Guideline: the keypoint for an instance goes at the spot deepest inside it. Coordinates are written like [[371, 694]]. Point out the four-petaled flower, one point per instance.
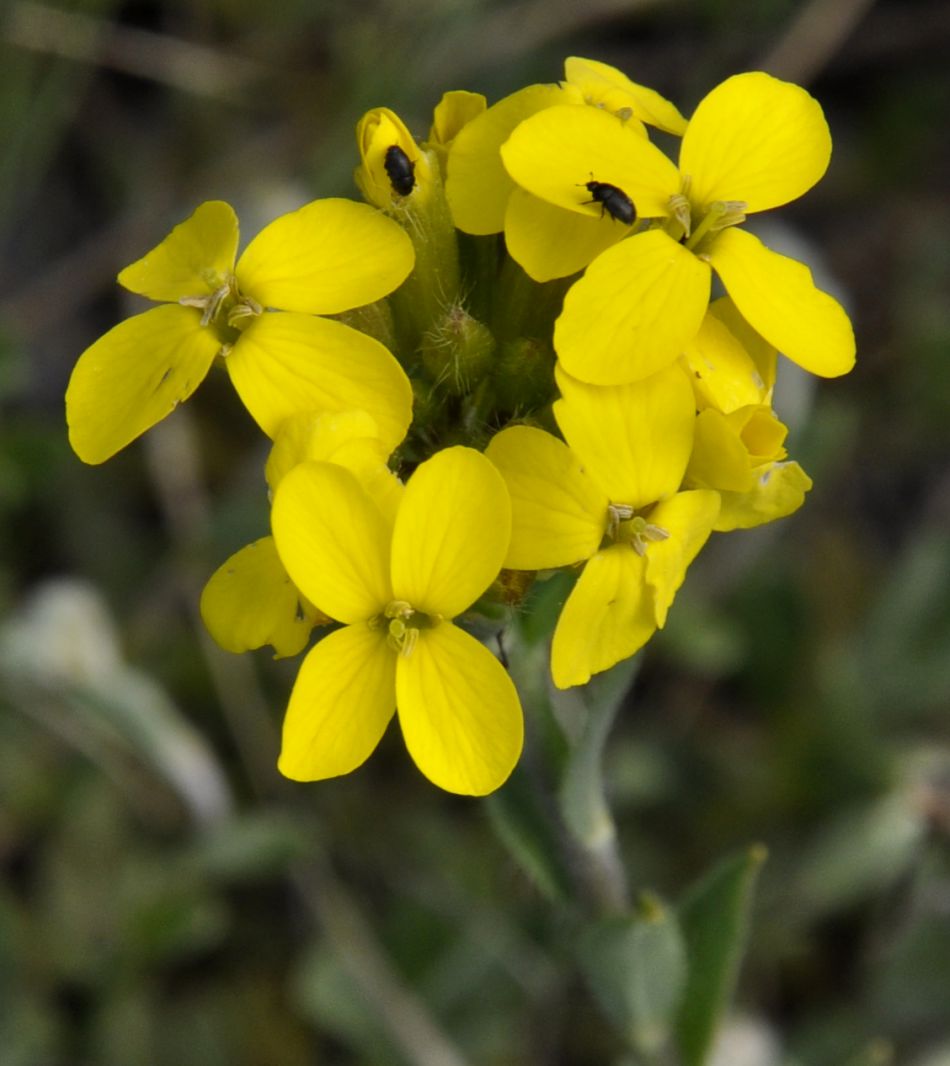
[[250, 601], [753, 143], [608, 498], [544, 238], [326, 257], [396, 586]]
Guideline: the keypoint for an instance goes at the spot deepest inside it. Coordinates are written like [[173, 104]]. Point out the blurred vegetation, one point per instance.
[[165, 897]]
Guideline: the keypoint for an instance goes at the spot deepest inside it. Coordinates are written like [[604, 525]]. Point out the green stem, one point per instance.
[[433, 286], [479, 261], [578, 723], [583, 796], [523, 307]]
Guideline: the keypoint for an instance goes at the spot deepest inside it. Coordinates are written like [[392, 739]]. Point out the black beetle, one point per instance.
[[615, 202], [401, 170]]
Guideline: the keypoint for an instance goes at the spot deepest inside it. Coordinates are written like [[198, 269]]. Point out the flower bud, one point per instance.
[[452, 113], [458, 352], [392, 170]]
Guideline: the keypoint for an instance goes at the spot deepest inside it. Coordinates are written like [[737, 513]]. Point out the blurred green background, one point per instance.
[[165, 897]]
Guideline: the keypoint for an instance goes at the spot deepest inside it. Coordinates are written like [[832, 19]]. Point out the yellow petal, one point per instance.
[[755, 139], [452, 532], [779, 299], [328, 256], [634, 440], [607, 87], [730, 450], [725, 376], [250, 601], [720, 460], [779, 491], [477, 186], [342, 701], [349, 439], [633, 312], [763, 354], [459, 712], [608, 616], [333, 541], [134, 376], [549, 242], [688, 517], [556, 152], [285, 363], [453, 113], [558, 515], [761, 432], [363, 458], [193, 260], [316, 435]]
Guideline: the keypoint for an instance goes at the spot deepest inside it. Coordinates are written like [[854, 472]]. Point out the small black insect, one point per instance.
[[615, 202], [401, 170]]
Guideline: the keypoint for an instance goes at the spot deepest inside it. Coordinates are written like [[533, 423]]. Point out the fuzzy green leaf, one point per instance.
[[635, 966], [714, 916]]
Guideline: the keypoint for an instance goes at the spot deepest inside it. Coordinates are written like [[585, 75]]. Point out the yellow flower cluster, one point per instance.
[[505, 363]]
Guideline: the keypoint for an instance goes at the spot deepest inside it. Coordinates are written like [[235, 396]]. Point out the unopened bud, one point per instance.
[[458, 352]]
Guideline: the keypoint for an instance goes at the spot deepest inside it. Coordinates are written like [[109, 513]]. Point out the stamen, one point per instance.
[[215, 300], [719, 215], [680, 210], [245, 308], [642, 533], [404, 625], [617, 513], [226, 301]]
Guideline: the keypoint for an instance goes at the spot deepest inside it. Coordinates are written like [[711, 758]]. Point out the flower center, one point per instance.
[[403, 622], [720, 214], [625, 526], [226, 310], [690, 225]]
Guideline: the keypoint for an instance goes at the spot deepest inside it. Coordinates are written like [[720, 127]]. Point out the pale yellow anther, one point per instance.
[[680, 210], [245, 308], [226, 305], [633, 529], [617, 513], [404, 625], [719, 216]]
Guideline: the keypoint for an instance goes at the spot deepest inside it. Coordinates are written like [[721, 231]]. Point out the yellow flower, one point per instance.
[[396, 588], [609, 498], [544, 238], [739, 443], [741, 455], [753, 143], [452, 114], [250, 600], [405, 180], [608, 88], [327, 257], [392, 165], [730, 365]]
